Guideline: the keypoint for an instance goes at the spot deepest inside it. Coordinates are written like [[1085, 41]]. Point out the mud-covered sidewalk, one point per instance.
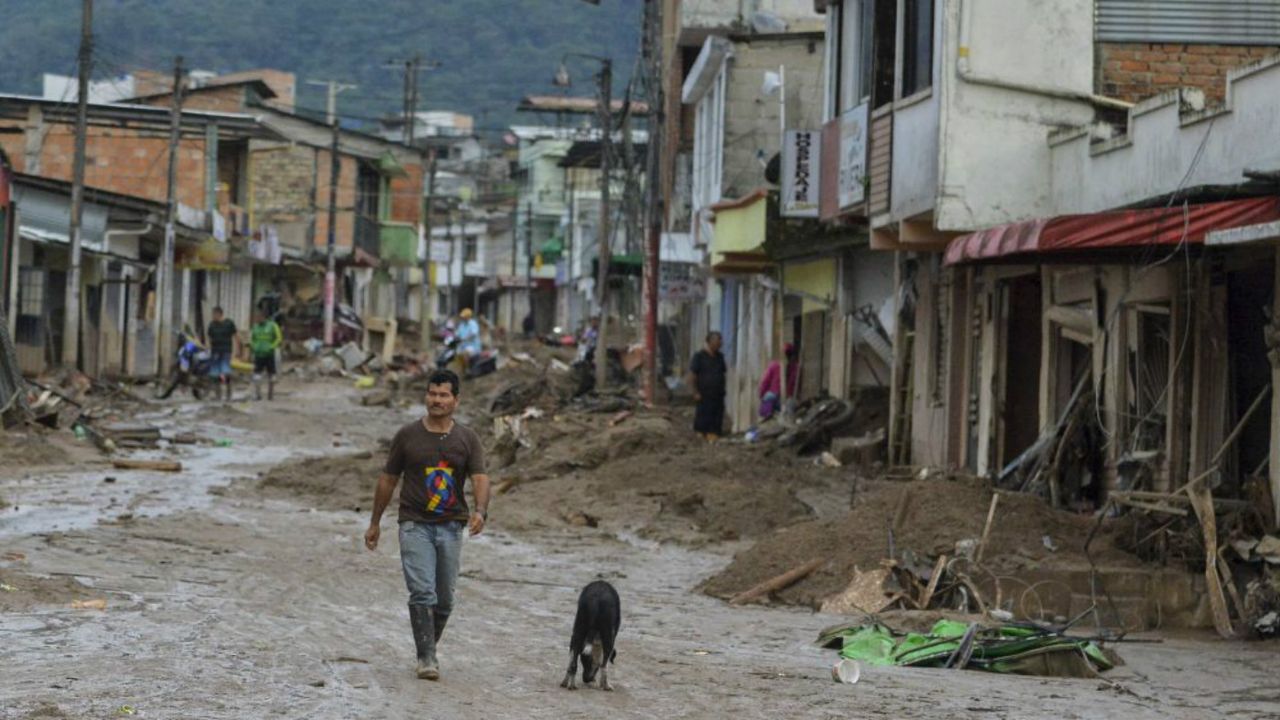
[[227, 600]]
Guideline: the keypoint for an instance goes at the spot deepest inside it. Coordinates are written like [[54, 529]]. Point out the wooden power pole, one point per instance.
[[164, 298], [71, 321], [330, 273], [653, 46], [602, 254], [428, 277]]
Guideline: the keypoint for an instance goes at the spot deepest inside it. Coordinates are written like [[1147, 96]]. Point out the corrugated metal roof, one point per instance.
[[1216, 22]]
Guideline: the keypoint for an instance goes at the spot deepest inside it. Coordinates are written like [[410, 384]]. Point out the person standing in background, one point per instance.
[[264, 339], [708, 377], [224, 343]]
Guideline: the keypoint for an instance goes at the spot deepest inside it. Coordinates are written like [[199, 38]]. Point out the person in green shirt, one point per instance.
[[264, 338]]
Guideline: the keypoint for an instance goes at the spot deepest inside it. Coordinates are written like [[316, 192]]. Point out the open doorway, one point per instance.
[[1249, 296], [1020, 412]]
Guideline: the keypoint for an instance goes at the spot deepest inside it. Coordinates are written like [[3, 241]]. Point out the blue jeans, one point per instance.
[[430, 554], [219, 364]]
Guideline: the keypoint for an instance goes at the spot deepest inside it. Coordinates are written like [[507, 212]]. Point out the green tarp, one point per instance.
[[1018, 649]]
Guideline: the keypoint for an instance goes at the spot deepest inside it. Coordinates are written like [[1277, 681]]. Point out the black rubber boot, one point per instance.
[[424, 641], [441, 619]]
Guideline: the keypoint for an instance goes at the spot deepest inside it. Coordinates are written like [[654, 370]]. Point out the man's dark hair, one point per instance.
[[442, 377], [714, 334], [217, 309]]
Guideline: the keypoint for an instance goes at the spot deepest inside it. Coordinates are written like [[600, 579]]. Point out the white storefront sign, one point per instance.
[[853, 156], [801, 169]]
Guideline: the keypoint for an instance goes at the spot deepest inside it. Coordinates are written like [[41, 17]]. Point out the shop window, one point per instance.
[[884, 45], [917, 46]]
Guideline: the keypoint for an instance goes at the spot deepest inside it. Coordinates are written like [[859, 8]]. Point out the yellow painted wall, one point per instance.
[[739, 230], [816, 278]]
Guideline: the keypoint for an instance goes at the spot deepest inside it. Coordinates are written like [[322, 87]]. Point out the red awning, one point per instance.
[[1117, 229]]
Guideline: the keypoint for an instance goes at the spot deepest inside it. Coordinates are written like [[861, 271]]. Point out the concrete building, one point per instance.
[[128, 145], [1053, 152], [774, 279]]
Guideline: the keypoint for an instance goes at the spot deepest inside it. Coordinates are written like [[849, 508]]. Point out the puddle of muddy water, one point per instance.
[[68, 499]]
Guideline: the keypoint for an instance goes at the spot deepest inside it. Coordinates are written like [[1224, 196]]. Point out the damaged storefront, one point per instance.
[[1114, 351]]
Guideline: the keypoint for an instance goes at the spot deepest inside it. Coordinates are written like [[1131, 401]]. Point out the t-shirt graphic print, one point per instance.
[[434, 468], [442, 494]]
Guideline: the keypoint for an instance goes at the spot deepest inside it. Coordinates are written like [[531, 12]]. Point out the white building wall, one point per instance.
[[1164, 147], [993, 154]]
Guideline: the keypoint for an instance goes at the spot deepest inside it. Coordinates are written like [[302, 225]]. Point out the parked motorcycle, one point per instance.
[[483, 363], [191, 368]]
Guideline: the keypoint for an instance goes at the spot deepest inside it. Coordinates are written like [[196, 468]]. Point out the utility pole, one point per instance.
[[448, 237], [653, 45], [411, 98], [330, 274], [164, 280], [428, 277], [409, 91], [528, 257], [333, 88], [515, 251], [602, 263], [71, 322]]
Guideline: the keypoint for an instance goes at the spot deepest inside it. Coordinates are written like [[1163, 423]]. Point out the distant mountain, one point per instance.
[[491, 52]]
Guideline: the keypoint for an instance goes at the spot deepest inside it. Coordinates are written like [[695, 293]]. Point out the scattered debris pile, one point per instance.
[[924, 543]]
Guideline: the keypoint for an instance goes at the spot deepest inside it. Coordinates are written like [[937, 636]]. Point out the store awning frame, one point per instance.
[[1118, 229]]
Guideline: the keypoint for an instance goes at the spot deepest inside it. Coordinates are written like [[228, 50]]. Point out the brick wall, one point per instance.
[[406, 195], [123, 161], [283, 180], [1135, 71], [229, 99], [345, 213]]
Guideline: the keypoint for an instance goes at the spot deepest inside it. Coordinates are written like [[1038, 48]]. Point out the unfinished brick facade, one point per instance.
[[345, 227], [227, 99], [283, 179], [1136, 71], [130, 162]]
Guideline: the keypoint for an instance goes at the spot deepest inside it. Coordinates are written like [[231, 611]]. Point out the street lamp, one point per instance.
[[605, 110]]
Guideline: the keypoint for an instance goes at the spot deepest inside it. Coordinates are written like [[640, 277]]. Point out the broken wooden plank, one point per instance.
[[161, 465], [132, 432], [1225, 568], [932, 587], [1202, 502], [778, 582], [900, 513], [1150, 506], [986, 529]]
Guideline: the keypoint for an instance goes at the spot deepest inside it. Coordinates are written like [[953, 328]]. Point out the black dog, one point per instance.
[[597, 622]]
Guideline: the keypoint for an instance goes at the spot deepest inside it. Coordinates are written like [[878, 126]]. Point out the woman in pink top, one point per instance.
[[771, 383]]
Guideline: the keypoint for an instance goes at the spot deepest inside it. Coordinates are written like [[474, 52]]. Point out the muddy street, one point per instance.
[[222, 600]]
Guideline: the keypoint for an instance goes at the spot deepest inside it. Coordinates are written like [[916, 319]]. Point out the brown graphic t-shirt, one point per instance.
[[435, 468]]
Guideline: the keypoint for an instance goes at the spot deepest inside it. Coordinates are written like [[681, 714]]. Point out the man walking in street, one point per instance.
[[435, 455], [224, 342], [264, 339], [707, 377]]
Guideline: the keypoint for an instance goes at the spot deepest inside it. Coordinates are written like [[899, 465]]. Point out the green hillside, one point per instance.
[[492, 52]]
